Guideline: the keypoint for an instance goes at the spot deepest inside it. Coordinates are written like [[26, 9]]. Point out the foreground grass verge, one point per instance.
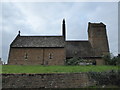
[[54, 69]]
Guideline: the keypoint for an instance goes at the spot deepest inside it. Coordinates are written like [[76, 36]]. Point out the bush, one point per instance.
[[107, 59], [116, 60], [111, 61], [106, 78], [79, 61], [72, 61]]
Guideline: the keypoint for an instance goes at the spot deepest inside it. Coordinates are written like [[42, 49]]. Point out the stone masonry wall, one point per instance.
[[62, 80], [36, 56]]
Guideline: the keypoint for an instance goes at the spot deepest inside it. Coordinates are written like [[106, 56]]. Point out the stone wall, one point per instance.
[[36, 56], [97, 36], [100, 61], [62, 80]]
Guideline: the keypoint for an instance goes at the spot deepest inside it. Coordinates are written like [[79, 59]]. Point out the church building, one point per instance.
[[54, 50]]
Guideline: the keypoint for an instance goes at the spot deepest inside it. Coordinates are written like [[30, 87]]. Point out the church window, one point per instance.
[[26, 56], [50, 56]]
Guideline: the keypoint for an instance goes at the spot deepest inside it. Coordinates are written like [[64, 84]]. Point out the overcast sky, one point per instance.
[[43, 18]]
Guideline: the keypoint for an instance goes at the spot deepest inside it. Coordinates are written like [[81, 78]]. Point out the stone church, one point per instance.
[[54, 50]]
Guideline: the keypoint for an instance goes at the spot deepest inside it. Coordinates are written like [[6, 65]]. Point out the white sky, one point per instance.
[[43, 18]]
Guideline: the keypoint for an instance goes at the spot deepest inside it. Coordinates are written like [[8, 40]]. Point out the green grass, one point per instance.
[[54, 69]]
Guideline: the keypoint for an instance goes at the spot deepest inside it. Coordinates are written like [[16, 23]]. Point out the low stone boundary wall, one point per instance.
[[61, 80], [52, 80]]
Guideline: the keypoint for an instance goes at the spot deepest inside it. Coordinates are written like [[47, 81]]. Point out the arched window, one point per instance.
[[26, 56], [50, 56]]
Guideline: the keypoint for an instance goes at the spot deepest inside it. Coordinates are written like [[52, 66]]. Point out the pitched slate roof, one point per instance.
[[38, 41], [79, 49]]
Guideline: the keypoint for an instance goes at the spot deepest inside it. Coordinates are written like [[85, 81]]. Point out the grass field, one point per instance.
[[54, 69]]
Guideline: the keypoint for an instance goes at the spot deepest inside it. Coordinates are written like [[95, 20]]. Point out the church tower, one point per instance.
[[98, 38]]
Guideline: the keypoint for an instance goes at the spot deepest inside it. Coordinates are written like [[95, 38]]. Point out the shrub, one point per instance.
[[111, 61], [106, 78], [116, 60], [72, 61], [79, 61]]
